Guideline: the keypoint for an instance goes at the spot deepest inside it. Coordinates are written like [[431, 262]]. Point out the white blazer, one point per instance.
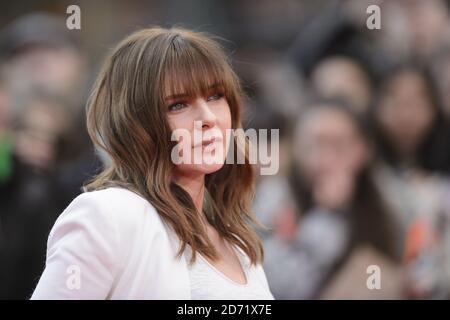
[[112, 244]]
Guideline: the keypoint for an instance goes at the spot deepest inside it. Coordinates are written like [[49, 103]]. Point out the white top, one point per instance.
[[112, 244], [207, 282]]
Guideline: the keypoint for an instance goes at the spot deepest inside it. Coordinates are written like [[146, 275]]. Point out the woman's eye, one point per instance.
[[177, 106], [216, 96]]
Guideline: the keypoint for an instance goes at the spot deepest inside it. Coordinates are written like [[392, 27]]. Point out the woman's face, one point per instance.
[[199, 124], [406, 113]]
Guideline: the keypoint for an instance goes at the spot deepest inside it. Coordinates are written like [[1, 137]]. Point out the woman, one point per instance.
[[148, 228]]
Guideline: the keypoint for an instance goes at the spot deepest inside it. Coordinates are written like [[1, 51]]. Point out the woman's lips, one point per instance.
[[208, 142]]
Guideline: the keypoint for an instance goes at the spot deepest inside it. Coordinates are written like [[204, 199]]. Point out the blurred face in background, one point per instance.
[[331, 152], [340, 77], [406, 112], [39, 128], [429, 22], [414, 27], [60, 71]]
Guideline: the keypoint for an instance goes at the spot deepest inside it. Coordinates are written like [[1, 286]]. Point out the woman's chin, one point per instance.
[[207, 168]]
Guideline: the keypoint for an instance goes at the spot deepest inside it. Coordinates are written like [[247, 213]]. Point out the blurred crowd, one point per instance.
[[364, 120]]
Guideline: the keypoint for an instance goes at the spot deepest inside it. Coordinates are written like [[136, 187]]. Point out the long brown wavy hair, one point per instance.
[[126, 117]]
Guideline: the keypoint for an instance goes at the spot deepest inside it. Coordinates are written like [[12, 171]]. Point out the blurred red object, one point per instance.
[[419, 238], [286, 224]]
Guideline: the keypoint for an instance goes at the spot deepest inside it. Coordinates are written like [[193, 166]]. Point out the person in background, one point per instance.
[[42, 56], [27, 200], [42, 85], [413, 139], [41, 53], [412, 131], [41, 119], [339, 208], [343, 78]]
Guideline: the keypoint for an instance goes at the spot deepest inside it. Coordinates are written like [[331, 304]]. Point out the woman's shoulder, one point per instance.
[[113, 195], [98, 234], [113, 205], [115, 198]]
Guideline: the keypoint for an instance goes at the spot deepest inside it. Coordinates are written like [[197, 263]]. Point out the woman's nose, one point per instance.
[[206, 115]]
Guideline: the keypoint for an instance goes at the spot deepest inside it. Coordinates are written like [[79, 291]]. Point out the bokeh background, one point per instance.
[[364, 133]]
